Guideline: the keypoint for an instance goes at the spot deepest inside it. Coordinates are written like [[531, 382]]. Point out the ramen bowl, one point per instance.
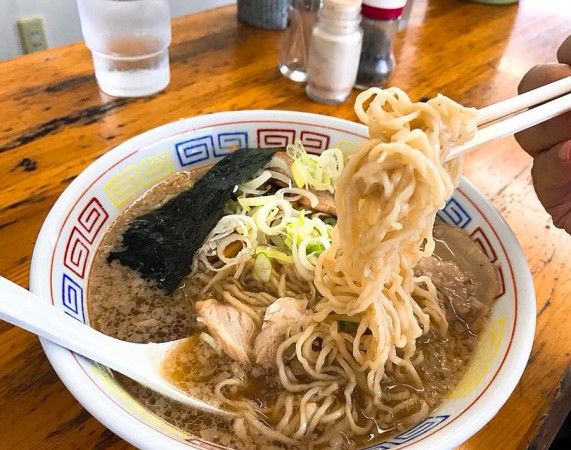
[[72, 231]]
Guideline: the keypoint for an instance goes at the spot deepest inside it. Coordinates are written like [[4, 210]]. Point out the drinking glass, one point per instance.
[[129, 42]]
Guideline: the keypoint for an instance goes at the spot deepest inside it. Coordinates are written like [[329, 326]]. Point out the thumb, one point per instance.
[[551, 174]]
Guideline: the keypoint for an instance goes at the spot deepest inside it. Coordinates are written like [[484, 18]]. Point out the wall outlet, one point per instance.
[[32, 34]]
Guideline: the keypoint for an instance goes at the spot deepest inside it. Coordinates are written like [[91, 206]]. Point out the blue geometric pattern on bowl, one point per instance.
[[230, 141], [201, 148], [215, 145], [195, 150], [454, 214], [72, 298], [418, 430]]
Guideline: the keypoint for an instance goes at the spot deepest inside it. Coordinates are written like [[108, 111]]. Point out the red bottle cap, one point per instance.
[[383, 9]]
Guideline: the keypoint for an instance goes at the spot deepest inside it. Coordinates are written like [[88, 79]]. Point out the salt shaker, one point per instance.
[[380, 23], [334, 51], [295, 45]]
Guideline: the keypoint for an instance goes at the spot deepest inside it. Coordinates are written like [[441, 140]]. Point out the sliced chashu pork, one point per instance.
[[233, 330], [462, 273], [285, 316]]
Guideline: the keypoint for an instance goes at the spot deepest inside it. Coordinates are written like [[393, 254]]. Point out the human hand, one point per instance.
[[549, 143]]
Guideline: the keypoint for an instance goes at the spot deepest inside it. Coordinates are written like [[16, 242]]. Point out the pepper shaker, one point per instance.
[[334, 51], [379, 23]]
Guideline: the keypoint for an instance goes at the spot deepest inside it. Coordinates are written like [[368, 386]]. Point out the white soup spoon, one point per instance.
[[140, 362]]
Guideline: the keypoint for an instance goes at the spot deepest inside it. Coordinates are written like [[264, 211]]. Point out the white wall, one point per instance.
[[61, 20]]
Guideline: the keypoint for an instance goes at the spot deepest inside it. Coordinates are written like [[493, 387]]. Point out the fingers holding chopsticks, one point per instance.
[[550, 144], [547, 134], [551, 175], [557, 130]]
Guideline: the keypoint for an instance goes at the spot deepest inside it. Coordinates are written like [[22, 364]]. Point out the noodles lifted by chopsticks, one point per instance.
[[386, 198]]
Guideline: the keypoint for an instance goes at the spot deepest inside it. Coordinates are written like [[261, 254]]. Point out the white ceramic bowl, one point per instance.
[[70, 235]]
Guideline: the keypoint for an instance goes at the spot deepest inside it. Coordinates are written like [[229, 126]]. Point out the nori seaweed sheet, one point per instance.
[[161, 244]]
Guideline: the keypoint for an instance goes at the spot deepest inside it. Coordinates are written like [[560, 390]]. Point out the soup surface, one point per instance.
[[123, 305]]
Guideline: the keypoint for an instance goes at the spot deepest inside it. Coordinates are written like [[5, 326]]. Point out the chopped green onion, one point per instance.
[[274, 253], [278, 242], [255, 201], [258, 181], [263, 267], [298, 174], [210, 341], [348, 326], [316, 171], [316, 247]]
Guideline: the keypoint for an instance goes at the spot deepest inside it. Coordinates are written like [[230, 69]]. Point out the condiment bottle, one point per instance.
[[334, 51], [295, 44], [380, 23]]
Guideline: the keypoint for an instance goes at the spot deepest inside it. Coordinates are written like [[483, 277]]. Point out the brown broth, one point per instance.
[[123, 305]]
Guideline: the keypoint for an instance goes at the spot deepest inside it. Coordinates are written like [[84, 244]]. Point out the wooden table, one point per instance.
[[55, 121]]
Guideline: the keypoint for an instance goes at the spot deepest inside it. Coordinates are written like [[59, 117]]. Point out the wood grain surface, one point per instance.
[[55, 122]]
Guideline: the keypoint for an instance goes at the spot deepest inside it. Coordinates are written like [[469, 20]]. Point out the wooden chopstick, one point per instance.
[[521, 120], [523, 101]]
